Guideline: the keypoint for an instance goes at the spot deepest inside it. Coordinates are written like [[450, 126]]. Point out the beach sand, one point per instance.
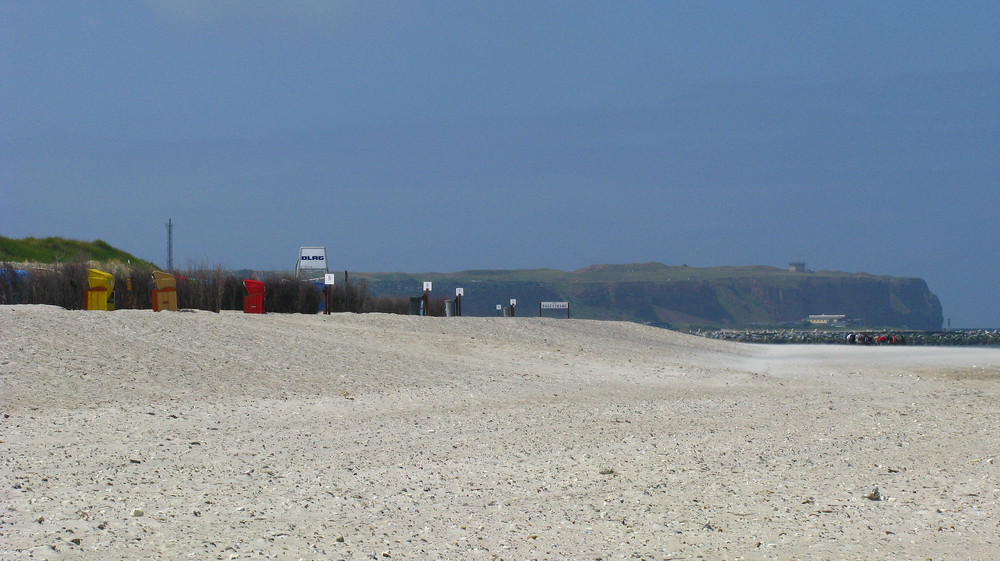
[[195, 435]]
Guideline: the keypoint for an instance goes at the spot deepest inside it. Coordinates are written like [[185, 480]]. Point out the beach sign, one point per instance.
[[553, 306], [311, 259]]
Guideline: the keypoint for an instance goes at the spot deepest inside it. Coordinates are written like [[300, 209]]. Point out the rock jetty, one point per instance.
[[972, 337]]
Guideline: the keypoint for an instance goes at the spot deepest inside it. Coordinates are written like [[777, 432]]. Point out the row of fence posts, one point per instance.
[[421, 305], [507, 311]]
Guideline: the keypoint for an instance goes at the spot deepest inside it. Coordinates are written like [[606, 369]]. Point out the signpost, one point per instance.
[[328, 280], [428, 286], [553, 306]]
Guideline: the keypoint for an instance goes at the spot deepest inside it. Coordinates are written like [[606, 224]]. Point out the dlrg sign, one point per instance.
[[311, 259]]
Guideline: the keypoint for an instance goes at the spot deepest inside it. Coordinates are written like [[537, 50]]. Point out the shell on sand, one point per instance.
[[344, 436]]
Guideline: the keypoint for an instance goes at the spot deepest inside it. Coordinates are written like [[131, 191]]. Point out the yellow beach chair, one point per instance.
[[165, 293], [101, 294]]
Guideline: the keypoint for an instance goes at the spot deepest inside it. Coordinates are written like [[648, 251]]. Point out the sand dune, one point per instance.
[[193, 435]]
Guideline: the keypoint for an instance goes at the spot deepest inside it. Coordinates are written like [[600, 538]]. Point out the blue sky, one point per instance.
[[444, 136]]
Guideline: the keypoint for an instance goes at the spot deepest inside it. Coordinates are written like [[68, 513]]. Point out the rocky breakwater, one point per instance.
[[971, 337]]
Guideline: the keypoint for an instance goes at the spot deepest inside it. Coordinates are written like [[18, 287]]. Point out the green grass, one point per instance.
[[60, 250]]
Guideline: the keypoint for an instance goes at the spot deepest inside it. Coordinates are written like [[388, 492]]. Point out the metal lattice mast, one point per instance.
[[170, 244]]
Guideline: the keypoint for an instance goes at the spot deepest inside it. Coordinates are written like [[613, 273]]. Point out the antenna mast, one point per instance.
[[170, 244]]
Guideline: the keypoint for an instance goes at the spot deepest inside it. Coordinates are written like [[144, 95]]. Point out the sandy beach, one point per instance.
[[195, 435]]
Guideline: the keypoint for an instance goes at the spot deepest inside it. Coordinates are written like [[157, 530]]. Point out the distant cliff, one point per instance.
[[682, 296]]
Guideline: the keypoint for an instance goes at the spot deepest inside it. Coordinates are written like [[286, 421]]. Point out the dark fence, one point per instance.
[[64, 285]]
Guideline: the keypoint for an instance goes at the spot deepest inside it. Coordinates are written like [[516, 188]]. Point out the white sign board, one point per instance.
[[513, 301], [428, 285], [329, 278], [459, 292], [312, 259], [555, 305]]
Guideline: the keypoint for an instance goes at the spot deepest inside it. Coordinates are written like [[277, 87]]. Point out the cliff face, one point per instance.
[[685, 297], [897, 302], [681, 302], [743, 302]]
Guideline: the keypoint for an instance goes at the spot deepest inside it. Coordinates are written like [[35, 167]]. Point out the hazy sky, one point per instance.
[[444, 136]]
